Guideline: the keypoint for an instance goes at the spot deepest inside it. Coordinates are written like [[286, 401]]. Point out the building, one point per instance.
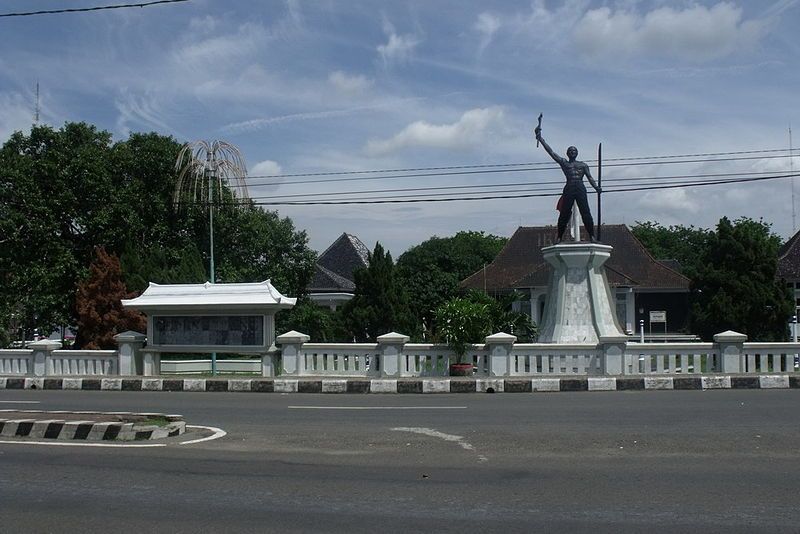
[[334, 283], [640, 283], [789, 266]]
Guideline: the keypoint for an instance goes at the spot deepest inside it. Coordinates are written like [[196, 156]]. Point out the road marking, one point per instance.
[[377, 407], [71, 444], [20, 402], [217, 433], [440, 435]]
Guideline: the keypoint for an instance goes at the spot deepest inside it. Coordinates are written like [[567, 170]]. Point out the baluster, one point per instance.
[[684, 363], [672, 362]]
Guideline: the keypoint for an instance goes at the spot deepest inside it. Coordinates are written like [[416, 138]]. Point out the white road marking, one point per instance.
[[217, 433], [79, 444], [440, 435], [377, 407], [20, 402]]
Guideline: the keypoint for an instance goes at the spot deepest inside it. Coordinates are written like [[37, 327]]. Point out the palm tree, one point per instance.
[[205, 172]]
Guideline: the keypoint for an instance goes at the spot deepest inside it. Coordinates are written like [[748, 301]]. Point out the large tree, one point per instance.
[[432, 270], [65, 191], [686, 244], [380, 304], [735, 287]]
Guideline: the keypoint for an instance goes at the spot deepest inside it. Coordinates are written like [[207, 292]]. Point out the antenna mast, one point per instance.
[[791, 172], [36, 109]]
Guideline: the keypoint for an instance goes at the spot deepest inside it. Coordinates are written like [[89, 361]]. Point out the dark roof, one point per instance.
[[789, 259], [325, 280], [521, 264], [335, 267]]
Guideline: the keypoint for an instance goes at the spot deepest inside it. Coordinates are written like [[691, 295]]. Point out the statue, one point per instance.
[[574, 190]]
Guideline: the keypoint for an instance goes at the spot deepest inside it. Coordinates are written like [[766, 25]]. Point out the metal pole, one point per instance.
[[211, 168], [641, 330], [599, 186]]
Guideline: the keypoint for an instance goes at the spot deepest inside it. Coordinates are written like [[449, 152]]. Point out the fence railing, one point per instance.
[[671, 358], [394, 357]]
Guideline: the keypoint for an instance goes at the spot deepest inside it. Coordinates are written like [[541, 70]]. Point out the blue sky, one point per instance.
[[328, 86]]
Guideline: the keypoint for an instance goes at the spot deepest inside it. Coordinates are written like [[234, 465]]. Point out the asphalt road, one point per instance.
[[679, 461]]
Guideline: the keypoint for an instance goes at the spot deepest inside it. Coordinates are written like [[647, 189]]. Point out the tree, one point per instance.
[[735, 286], [432, 270], [99, 307], [686, 244], [57, 200], [321, 324], [63, 192], [380, 304]]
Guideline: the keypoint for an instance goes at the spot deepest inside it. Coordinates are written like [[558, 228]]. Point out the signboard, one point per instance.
[[214, 330], [658, 316]]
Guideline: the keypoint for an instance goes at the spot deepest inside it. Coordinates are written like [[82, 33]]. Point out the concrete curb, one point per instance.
[[409, 385], [40, 424]]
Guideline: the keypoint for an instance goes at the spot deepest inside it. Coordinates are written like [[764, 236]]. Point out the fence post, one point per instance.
[[129, 352], [731, 351], [499, 347], [151, 363], [269, 360], [291, 345], [42, 350], [612, 349], [390, 347]]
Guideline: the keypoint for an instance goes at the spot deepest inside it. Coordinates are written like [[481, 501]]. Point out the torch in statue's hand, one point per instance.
[[538, 131]]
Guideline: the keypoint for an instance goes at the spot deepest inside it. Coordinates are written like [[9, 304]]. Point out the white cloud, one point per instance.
[[266, 168], [487, 25], [467, 132], [670, 202], [218, 52], [695, 33], [16, 114], [205, 24], [399, 47], [349, 84]]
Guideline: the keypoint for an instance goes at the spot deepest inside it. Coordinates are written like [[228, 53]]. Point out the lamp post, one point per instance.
[[210, 165]]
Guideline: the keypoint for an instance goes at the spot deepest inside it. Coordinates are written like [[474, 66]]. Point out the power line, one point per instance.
[[540, 167], [513, 184], [85, 9], [555, 192], [501, 165]]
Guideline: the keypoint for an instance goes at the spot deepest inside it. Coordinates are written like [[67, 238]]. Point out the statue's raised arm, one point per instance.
[[538, 131]]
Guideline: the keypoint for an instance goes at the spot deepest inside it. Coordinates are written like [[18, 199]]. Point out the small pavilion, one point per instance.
[[228, 318]]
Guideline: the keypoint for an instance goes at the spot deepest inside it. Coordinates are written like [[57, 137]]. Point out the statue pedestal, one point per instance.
[[580, 307]]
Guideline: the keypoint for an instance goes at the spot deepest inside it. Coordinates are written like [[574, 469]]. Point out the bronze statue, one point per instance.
[[574, 190]]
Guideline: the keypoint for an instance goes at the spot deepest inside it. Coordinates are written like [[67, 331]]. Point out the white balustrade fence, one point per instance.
[[82, 362], [394, 357], [16, 362], [340, 359], [533, 359], [671, 358]]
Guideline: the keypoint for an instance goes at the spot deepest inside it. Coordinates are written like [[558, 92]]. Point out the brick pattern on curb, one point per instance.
[[335, 385]]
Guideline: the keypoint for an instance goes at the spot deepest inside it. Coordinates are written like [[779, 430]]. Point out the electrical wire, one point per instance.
[[540, 167], [541, 193], [510, 184], [86, 9]]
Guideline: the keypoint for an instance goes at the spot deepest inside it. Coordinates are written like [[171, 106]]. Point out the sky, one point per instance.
[[332, 86]]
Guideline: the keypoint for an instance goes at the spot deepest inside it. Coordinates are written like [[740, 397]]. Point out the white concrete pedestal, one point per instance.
[[579, 307]]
